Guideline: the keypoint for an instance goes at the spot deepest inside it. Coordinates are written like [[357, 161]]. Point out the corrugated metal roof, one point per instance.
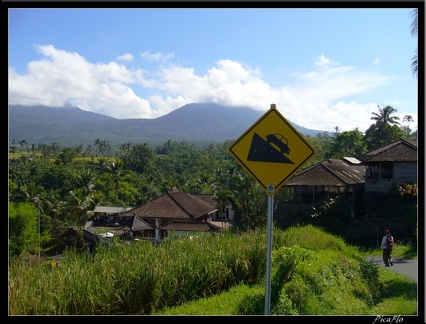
[[221, 224], [351, 160], [111, 210], [398, 151], [331, 172]]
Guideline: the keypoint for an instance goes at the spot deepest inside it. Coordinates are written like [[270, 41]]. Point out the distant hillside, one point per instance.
[[72, 126]]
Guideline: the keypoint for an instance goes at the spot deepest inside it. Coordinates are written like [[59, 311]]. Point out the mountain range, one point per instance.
[[71, 126]]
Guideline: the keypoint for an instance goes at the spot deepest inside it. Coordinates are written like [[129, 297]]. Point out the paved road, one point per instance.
[[408, 267]]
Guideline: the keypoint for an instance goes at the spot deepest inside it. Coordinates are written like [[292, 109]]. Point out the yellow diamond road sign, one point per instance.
[[271, 150]]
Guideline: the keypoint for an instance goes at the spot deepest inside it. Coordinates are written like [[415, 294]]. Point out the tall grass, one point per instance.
[[136, 278], [143, 279]]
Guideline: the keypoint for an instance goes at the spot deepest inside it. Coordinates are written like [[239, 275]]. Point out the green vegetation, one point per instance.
[[313, 273], [64, 184]]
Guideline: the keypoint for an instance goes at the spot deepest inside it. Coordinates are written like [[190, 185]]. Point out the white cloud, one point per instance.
[[322, 61], [67, 77], [156, 57], [125, 57], [314, 100]]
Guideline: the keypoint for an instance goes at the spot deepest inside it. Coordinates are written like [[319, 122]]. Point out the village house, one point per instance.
[[173, 214], [390, 166], [329, 179]]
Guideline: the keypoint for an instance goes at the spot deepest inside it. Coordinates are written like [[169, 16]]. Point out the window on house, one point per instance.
[[373, 172], [386, 169]]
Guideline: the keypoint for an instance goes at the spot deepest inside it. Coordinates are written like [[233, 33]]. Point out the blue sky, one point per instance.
[[323, 68]]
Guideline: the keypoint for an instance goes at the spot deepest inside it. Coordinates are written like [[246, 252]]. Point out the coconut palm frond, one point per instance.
[[414, 64], [414, 25]]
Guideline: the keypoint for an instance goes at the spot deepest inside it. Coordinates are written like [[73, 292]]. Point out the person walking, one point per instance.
[[387, 247]]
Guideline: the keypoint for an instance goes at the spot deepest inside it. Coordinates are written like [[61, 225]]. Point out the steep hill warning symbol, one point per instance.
[[271, 150], [262, 150]]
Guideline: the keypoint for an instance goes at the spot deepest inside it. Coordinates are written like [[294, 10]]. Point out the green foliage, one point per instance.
[[321, 144], [66, 183], [286, 260], [331, 209], [139, 159], [385, 130], [67, 155], [238, 300], [378, 135], [349, 143], [23, 235]]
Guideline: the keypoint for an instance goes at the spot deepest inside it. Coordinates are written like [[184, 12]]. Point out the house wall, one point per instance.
[[176, 233], [228, 214], [405, 172], [306, 193], [402, 172]]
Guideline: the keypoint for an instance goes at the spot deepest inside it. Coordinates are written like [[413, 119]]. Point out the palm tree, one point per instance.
[[79, 204], [86, 180], [115, 169], [337, 130], [125, 148], [102, 146], [23, 143], [223, 198], [36, 195], [13, 146], [384, 116], [54, 149], [385, 128], [413, 30], [408, 119]]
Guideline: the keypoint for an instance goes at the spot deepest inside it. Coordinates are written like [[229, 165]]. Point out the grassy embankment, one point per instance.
[[313, 273]]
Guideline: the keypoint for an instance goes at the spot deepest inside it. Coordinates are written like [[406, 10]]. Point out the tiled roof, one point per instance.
[[135, 224], [173, 205], [331, 172], [208, 198], [190, 226], [398, 151]]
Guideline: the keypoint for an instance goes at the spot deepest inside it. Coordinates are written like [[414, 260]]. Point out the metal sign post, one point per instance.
[[269, 252]]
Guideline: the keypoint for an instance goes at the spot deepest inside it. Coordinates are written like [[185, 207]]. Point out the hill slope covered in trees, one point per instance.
[[72, 126]]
